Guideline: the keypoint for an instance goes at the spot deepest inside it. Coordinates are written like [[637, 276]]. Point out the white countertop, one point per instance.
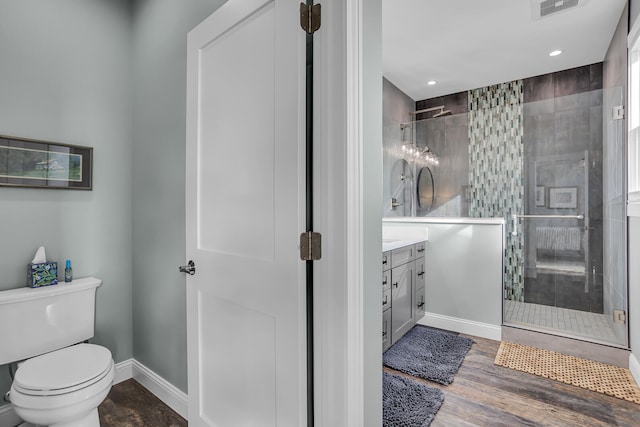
[[444, 220], [391, 244]]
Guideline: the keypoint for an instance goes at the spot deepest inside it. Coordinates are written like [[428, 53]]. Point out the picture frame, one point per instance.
[[540, 193], [44, 164], [563, 198]]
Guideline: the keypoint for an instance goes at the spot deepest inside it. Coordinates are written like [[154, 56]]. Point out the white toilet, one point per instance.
[[60, 383]]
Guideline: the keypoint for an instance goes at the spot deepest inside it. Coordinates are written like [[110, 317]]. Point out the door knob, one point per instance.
[[190, 268]]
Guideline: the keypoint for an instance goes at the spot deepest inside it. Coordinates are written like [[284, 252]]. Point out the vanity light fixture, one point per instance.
[[555, 53], [415, 152]]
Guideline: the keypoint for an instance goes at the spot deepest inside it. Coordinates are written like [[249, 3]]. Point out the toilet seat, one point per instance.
[[63, 371]]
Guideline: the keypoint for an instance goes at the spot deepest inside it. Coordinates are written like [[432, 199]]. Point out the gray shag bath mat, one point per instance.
[[427, 353], [407, 403]]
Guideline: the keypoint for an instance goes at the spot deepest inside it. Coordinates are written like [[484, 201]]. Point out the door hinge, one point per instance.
[[310, 17], [310, 246], [619, 316]]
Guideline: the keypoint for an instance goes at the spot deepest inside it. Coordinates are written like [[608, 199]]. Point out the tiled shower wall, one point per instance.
[[396, 106], [496, 168], [448, 138]]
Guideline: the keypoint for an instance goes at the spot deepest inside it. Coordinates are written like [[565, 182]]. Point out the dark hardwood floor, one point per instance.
[[129, 404], [483, 394]]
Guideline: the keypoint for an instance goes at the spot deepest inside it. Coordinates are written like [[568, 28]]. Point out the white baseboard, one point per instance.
[[8, 416], [131, 368], [124, 371], [463, 326], [164, 390], [634, 367]]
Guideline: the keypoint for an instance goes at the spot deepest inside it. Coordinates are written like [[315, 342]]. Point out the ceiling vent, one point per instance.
[[545, 8]]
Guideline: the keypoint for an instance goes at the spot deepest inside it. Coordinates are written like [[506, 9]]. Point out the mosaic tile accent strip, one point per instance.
[[496, 173]]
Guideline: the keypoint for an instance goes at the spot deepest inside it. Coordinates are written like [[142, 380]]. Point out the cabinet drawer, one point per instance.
[[386, 280], [386, 299], [386, 260], [402, 255], [420, 272], [419, 303], [386, 329]]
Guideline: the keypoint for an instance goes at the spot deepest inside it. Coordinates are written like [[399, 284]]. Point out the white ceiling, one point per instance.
[[467, 44]]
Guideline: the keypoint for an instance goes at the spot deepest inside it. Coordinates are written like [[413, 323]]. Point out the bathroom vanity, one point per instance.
[[403, 284]]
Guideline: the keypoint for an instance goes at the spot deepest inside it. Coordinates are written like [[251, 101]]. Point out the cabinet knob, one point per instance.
[[421, 273], [395, 285], [385, 300]]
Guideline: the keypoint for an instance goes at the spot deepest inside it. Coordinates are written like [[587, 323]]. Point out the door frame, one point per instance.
[[348, 196]]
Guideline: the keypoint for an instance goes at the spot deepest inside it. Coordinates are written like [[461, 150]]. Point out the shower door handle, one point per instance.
[[516, 216]]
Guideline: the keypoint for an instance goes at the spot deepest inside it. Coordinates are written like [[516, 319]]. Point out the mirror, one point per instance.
[[426, 189]]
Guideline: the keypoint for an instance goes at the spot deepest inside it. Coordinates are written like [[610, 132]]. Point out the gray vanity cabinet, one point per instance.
[[403, 285]]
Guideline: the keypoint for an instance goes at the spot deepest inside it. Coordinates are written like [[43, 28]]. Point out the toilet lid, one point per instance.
[[63, 370]]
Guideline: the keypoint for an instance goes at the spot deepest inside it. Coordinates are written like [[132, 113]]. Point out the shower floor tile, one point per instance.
[[572, 322]]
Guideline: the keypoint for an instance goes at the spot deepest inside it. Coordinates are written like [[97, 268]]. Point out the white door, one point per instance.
[[245, 211]]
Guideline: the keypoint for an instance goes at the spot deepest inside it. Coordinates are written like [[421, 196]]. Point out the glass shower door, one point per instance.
[[563, 290]]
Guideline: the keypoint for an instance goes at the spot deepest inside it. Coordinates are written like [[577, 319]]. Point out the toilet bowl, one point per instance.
[[63, 388]]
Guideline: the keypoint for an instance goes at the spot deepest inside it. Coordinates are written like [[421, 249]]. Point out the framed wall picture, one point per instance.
[[563, 198], [43, 164], [540, 193]]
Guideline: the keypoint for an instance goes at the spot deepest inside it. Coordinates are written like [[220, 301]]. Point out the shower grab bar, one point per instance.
[[516, 216]]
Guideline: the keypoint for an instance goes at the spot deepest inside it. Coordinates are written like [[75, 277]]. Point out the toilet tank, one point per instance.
[[34, 321]]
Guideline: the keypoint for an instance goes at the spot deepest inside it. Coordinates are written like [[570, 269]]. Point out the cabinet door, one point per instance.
[[386, 329], [402, 255], [402, 281]]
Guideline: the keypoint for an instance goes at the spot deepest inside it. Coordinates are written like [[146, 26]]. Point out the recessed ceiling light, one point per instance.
[[555, 53], [431, 82]]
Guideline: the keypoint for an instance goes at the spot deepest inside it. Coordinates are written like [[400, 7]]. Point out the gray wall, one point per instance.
[[159, 37], [634, 286], [65, 77], [614, 184]]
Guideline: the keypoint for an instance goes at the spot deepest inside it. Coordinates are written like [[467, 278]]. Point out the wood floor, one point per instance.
[[483, 394]]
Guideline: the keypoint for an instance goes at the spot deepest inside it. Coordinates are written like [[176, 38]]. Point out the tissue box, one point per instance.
[[43, 274]]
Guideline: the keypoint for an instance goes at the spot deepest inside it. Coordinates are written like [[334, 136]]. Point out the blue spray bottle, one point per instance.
[[68, 272]]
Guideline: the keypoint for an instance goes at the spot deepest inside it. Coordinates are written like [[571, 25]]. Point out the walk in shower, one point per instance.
[[541, 154]]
